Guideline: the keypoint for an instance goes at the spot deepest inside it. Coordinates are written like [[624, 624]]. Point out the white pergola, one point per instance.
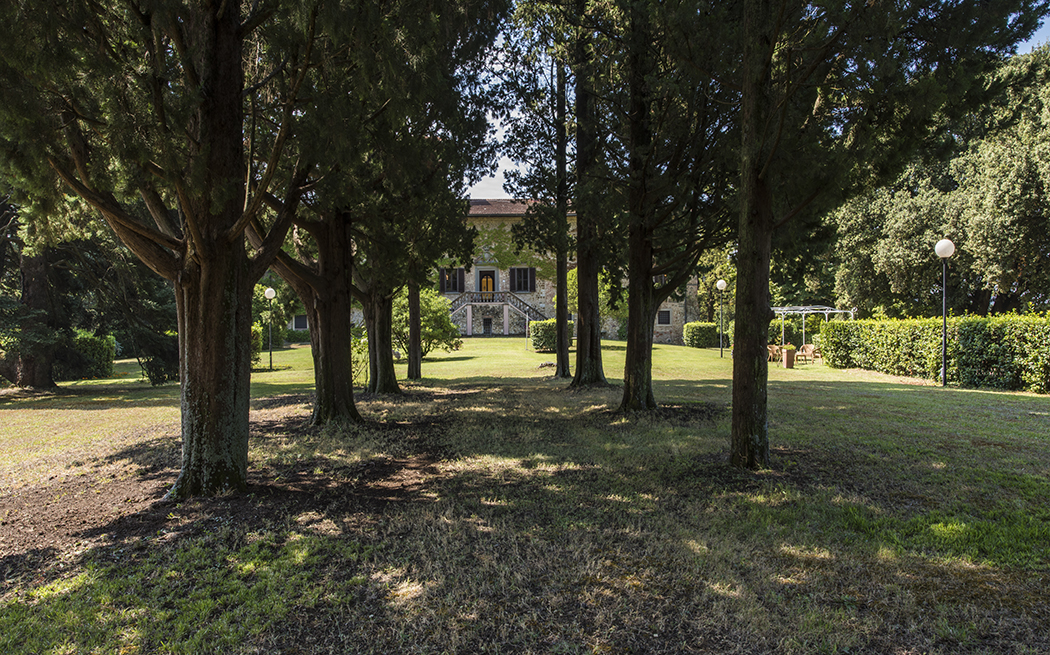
[[804, 311]]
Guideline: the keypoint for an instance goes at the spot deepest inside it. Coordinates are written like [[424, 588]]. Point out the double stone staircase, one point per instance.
[[496, 298]]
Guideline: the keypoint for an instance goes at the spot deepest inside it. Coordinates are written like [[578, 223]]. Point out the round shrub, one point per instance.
[[85, 356], [702, 335], [545, 335]]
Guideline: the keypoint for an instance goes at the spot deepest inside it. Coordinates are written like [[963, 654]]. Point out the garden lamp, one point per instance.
[[270, 294], [944, 249], [721, 286]]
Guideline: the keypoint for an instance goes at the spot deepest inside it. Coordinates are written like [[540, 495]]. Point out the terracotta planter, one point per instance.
[[789, 358]]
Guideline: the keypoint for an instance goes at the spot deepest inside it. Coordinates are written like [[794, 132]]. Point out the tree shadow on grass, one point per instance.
[[283, 400], [454, 358], [519, 540], [100, 397]]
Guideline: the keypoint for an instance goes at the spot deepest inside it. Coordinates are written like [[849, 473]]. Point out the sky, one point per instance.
[[492, 187]]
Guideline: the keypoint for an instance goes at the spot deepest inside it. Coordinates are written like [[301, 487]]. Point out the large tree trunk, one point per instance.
[[563, 338], [331, 319], [213, 289], [32, 367], [325, 292], [589, 370], [641, 312], [561, 315], [641, 306], [215, 371], [415, 334], [750, 429], [379, 313]]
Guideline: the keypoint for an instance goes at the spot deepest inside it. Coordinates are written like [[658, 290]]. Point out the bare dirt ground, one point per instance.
[[105, 499]]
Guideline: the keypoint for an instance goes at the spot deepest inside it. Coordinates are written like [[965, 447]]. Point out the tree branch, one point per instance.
[[255, 204], [156, 250], [158, 210], [254, 20], [174, 32], [271, 243]]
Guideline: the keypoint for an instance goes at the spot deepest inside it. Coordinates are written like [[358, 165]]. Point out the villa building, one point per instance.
[[505, 289]]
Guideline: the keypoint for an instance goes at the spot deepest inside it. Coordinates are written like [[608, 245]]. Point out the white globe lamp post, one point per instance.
[[721, 286], [270, 295], [944, 249]]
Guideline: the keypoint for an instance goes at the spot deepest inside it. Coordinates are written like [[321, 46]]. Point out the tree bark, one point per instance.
[[563, 338], [641, 312], [415, 334], [215, 372], [589, 370], [32, 367], [379, 314], [214, 284], [641, 306], [749, 446], [561, 314], [325, 292], [331, 319]]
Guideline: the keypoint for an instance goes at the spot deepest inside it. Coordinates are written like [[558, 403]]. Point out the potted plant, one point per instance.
[[789, 355]]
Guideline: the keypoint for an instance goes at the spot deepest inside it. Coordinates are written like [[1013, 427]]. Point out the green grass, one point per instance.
[[492, 510]]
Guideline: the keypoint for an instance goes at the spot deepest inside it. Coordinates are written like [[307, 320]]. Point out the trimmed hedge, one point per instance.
[[545, 335], [86, 357], [297, 336], [257, 343], [701, 335], [1007, 352]]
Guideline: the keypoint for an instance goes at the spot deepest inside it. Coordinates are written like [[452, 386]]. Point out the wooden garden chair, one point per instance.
[[774, 353], [807, 353]]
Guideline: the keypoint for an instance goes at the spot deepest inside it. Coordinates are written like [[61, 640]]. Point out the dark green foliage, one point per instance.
[[545, 335], [436, 327], [1003, 352], [85, 356], [278, 337], [701, 335], [159, 359], [23, 330], [258, 340], [987, 192], [297, 336]]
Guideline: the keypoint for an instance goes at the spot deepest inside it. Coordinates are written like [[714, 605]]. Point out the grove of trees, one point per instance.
[[333, 140]]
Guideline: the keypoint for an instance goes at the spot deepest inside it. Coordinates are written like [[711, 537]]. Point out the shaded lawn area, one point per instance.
[[489, 509]]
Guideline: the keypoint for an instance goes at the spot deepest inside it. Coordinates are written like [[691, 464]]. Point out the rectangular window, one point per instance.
[[300, 322], [451, 280], [522, 280], [663, 317]]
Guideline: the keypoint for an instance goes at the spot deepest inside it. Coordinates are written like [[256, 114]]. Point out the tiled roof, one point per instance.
[[498, 207]]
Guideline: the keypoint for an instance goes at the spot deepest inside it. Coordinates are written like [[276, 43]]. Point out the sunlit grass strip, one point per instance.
[[213, 594]]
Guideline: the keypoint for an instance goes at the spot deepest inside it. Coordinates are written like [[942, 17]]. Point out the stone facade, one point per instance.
[[679, 312], [491, 272]]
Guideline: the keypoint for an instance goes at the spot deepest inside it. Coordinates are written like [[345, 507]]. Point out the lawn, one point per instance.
[[490, 509]]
